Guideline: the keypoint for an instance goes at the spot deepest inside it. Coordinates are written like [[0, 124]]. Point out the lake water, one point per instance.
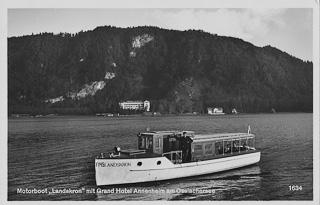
[[58, 153]]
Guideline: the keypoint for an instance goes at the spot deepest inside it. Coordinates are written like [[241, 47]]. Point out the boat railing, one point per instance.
[[133, 151], [174, 156], [250, 148], [237, 150]]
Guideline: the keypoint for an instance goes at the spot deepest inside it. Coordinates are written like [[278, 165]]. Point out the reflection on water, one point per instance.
[[58, 153]]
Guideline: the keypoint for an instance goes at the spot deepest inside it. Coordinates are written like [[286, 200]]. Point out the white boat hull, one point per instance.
[[124, 171]]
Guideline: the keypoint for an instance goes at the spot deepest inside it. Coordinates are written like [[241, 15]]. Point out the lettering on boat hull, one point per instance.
[[104, 164]]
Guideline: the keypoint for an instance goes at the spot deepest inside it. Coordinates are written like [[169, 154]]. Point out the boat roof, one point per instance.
[[168, 132], [222, 136], [206, 137]]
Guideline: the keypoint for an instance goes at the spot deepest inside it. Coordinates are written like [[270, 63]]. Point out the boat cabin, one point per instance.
[[160, 142], [220, 145], [203, 147]]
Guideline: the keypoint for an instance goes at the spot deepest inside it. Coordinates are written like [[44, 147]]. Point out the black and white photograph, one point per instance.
[[160, 101]]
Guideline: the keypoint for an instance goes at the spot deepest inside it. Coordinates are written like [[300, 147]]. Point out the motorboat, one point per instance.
[[160, 155]]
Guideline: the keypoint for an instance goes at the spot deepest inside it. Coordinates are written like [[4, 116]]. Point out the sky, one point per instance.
[[289, 30]]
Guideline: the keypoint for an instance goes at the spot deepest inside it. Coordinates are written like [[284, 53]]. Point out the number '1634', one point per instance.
[[295, 187]]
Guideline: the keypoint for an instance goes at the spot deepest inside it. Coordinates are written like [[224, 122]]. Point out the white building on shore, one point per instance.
[[135, 105], [215, 111]]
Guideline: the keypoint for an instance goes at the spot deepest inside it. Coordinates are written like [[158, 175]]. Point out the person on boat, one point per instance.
[[234, 147], [186, 147], [244, 147], [227, 149], [150, 144], [219, 150]]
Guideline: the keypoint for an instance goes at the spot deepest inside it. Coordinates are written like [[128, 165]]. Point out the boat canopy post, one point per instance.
[[246, 143], [222, 147], [231, 145]]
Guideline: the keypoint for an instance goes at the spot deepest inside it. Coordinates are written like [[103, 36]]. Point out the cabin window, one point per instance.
[[218, 148], [233, 145], [243, 144], [197, 149], [157, 142], [142, 144], [236, 145], [171, 139], [250, 142], [208, 149], [149, 143], [227, 146]]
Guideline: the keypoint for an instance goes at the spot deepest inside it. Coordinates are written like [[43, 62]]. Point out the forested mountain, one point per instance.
[[177, 71]]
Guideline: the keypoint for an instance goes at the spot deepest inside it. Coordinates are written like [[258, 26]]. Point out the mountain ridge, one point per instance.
[[159, 65]]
